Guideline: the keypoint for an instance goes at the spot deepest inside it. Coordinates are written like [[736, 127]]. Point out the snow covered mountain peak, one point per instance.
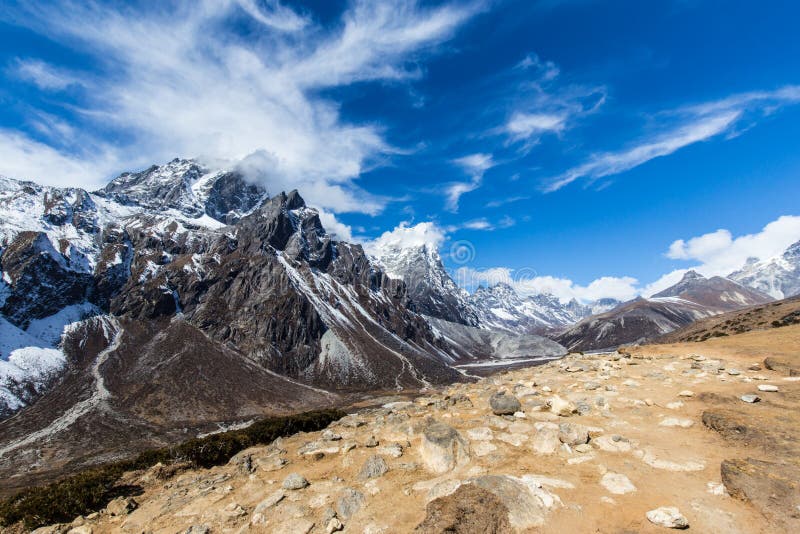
[[430, 286], [778, 276], [185, 186], [501, 306]]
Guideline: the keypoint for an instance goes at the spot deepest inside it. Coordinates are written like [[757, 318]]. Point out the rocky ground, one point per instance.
[[653, 438]]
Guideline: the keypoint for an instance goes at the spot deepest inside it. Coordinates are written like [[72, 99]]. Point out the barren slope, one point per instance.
[[762, 317]]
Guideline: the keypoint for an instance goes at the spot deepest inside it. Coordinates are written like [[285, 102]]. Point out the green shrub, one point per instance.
[[91, 490]]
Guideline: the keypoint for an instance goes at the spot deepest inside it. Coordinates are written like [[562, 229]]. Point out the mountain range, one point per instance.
[[694, 297], [180, 298]]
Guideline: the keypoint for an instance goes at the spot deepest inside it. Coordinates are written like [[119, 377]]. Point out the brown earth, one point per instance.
[[762, 317], [727, 465]]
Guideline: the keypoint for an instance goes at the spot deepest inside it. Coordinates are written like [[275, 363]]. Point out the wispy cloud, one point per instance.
[[43, 75], [274, 15], [681, 128], [474, 165], [523, 125], [503, 201], [226, 80], [544, 105]]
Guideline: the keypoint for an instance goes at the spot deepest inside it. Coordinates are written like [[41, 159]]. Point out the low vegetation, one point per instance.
[[92, 489]]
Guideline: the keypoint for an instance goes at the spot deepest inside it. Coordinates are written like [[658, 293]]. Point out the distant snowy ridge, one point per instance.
[[778, 276], [498, 307], [501, 307]]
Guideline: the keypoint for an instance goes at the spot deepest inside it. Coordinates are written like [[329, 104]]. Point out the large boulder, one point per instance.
[[546, 440], [504, 404], [527, 502], [443, 448], [669, 517], [349, 502], [374, 467], [469, 510]]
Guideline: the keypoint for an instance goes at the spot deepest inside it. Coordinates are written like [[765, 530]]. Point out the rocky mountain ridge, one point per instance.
[[429, 284], [694, 297], [177, 299], [501, 307]]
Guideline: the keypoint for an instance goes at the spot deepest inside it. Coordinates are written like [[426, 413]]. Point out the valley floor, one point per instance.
[[599, 441]]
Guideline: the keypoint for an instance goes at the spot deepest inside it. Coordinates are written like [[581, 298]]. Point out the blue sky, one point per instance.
[[584, 148]]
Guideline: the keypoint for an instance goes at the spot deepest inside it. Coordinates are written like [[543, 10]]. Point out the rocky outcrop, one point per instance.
[[469, 510], [430, 286], [40, 279], [187, 187]]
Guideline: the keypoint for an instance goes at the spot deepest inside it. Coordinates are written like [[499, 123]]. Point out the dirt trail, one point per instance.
[[99, 395]]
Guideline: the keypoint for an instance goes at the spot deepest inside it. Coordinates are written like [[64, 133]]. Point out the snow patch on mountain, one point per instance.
[[31, 358]]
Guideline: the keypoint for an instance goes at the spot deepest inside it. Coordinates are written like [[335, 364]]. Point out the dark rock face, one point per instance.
[[42, 282], [771, 487], [231, 195], [273, 287], [769, 477], [265, 316]]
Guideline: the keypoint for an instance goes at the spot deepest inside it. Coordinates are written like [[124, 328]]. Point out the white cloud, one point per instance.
[[181, 80], [473, 164], [713, 254], [503, 201], [527, 283], [469, 278], [700, 247], [719, 253], [405, 236], [24, 158], [478, 224], [694, 124], [274, 15], [542, 105], [337, 229], [547, 69], [44, 76], [525, 125], [620, 288]]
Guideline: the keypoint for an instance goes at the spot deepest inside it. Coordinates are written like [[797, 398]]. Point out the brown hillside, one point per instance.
[[761, 317]]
